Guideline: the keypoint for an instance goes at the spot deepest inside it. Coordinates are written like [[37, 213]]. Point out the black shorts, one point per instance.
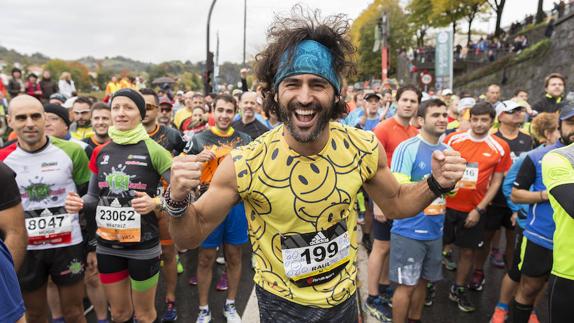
[[535, 261], [455, 232], [382, 230], [498, 217], [561, 292], [514, 271], [274, 309], [65, 265], [141, 272]]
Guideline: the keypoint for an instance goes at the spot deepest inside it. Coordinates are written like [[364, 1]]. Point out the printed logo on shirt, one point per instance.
[[140, 157], [39, 191], [106, 159], [119, 182], [319, 238], [136, 163]]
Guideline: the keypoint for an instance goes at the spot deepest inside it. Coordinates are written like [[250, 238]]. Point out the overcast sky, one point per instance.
[[156, 31]]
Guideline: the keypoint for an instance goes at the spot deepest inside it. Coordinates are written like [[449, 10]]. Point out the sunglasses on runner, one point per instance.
[[150, 107], [165, 109], [515, 110]]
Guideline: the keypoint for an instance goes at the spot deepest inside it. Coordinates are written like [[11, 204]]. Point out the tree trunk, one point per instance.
[[469, 30], [499, 10], [540, 11]]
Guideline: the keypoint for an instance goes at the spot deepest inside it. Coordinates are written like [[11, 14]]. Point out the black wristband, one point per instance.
[[435, 187], [480, 211]]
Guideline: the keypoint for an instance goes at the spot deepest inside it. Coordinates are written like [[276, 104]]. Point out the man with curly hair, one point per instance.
[[300, 180]]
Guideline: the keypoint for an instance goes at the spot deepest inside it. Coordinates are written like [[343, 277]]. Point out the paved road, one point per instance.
[[187, 295], [443, 310]]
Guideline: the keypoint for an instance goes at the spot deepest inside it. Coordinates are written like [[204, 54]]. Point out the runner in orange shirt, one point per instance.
[[488, 158]]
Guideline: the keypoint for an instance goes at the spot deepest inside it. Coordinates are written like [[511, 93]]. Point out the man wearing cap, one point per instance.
[[81, 112], [542, 234], [57, 98], [370, 118], [511, 116], [299, 181], [554, 85], [166, 109], [461, 123]]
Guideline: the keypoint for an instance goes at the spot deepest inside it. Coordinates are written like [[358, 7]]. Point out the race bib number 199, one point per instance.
[[121, 224], [316, 257]]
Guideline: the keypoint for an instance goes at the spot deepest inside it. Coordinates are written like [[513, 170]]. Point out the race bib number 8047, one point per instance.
[[54, 229]]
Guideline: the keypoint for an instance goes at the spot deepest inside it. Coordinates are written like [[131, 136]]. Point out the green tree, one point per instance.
[[473, 9], [363, 37], [78, 71], [419, 18]]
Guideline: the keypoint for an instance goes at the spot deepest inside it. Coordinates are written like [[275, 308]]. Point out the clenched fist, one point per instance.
[[185, 174], [447, 167]]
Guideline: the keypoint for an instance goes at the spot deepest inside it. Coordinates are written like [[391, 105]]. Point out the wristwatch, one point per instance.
[[480, 211]]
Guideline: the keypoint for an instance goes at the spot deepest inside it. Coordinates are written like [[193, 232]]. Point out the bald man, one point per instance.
[[47, 170], [493, 94], [249, 123]]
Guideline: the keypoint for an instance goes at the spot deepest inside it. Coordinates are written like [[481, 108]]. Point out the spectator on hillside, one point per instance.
[[48, 86], [15, 85], [66, 84], [32, 86], [549, 29]]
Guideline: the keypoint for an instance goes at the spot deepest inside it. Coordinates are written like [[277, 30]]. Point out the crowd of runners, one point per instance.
[[99, 198]]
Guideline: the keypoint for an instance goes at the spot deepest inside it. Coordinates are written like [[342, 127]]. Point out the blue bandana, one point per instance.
[[310, 57]]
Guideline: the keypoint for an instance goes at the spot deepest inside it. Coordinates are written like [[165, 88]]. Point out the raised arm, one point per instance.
[[203, 216], [406, 200]]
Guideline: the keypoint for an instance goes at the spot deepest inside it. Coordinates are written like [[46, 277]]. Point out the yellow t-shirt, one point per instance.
[[82, 133], [181, 115], [301, 212]]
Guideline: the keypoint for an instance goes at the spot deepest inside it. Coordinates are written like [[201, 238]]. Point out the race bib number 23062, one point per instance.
[[121, 224]]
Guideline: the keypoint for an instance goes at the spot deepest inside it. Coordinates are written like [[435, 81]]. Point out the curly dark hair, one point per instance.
[[285, 33]]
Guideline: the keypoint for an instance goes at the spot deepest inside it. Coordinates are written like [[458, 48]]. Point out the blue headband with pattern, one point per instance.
[[310, 57]]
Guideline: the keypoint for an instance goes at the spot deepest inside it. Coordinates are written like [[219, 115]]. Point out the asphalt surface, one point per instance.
[[442, 310], [188, 296]]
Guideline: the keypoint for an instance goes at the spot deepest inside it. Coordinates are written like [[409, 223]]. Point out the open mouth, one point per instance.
[[305, 116]]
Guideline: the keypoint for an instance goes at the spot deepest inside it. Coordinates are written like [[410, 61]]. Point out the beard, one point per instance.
[[323, 116], [567, 140]]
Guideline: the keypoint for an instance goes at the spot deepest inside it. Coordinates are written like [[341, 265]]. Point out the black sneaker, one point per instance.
[[431, 292], [459, 296]]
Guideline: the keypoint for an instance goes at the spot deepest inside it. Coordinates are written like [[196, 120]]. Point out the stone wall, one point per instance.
[[530, 74]]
